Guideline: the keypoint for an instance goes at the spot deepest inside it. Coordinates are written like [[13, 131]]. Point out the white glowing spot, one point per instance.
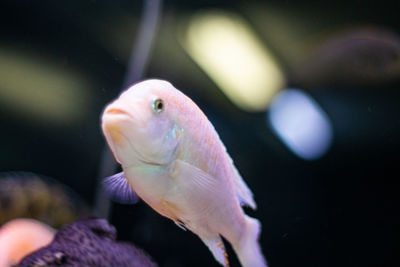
[[228, 50], [300, 123]]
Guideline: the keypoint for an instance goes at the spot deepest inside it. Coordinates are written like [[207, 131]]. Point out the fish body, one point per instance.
[[172, 158], [20, 237]]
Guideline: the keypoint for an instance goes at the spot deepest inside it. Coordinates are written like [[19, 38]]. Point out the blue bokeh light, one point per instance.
[[300, 123]]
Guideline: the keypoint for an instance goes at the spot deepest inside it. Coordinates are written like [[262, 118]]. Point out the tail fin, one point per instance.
[[248, 249]]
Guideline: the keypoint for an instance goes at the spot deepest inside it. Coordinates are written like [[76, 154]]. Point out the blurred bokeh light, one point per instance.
[[300, 123], [38, 89], [228, 50]]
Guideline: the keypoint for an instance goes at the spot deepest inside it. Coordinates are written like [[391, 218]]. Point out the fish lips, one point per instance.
[[121, 113], [118, 125]]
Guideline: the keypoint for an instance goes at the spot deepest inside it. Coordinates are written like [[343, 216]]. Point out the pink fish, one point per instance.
[[20, 237], [174, 160]]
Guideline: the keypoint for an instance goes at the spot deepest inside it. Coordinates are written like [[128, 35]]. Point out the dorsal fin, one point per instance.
[[243, 192], [118, 189]]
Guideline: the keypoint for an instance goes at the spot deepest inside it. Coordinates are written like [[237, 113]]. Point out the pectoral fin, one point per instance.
[[119, 190], [191, 178], [197, 193]]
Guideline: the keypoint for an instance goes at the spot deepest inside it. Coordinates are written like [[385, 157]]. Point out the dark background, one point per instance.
[[339, 210]]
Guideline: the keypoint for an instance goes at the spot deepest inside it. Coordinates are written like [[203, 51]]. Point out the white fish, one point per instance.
[[173, 159]]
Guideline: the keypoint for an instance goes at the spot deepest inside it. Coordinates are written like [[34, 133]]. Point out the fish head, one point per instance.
[[140, 127]]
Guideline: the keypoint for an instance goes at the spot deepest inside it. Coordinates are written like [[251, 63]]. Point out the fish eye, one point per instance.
[[158, 106]]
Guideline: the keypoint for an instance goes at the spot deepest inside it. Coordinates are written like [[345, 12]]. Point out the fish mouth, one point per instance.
[[116, 111]]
